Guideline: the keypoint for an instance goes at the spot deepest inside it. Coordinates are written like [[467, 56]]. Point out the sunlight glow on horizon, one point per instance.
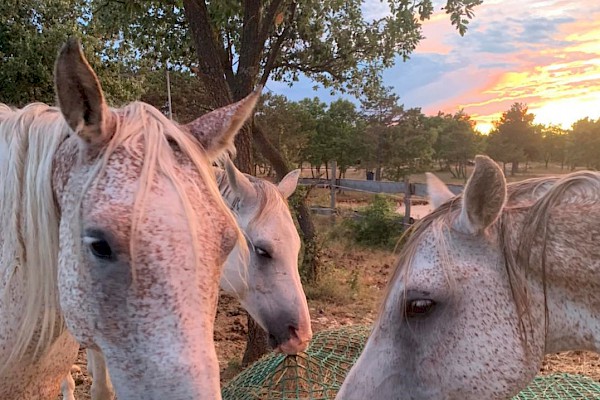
[[542, 53], [559, 91]]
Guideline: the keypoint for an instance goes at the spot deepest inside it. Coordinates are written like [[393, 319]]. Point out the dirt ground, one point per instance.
[[350, 292]]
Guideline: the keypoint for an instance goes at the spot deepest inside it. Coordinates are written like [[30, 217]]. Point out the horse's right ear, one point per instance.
[[238, 182], [483, 198], [437, 190], [80, 96], [215, 130]]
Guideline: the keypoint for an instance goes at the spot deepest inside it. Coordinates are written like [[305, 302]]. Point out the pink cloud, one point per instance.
[[556, 71]]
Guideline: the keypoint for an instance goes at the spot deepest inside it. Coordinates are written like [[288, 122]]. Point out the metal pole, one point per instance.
[[333, 184], [169, 93], [407, 194]]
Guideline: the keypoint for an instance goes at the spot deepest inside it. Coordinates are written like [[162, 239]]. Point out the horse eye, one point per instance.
[[262, 252], [100, 249], [418, 308]]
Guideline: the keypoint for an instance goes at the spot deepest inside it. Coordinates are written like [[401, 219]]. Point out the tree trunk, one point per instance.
[[379, 156], [311, 265], [514, 168], [211, 70], [257, 344], [212, 73]]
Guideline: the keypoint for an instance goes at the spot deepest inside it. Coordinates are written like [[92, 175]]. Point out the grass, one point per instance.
[[335, 287], [346, 276], [234, 367]]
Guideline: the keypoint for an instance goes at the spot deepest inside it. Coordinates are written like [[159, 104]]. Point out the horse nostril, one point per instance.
[[293, 332], [273, 342]]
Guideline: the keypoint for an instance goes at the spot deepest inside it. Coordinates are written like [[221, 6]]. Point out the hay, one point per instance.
[[316, 374], [319, 373]]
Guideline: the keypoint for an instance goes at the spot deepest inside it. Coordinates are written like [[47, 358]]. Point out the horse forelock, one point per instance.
[[141, 122]]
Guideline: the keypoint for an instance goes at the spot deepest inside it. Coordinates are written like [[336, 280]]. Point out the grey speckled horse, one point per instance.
[[487, 284], [114, 234], [267, 284]]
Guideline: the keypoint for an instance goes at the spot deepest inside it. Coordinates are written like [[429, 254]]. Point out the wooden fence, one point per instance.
[[406, 188]]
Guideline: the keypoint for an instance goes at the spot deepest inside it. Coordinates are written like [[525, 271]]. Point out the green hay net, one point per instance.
[[319, 373]]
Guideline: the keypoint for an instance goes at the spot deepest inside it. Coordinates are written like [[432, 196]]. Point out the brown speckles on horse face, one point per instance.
[[470, 335], [472, 345], [157, 306], [135, 236]]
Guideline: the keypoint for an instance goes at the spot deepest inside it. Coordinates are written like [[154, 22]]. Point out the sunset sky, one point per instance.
[[545, 53]]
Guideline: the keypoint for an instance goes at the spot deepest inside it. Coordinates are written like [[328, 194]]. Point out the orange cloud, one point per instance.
[[561, 88]]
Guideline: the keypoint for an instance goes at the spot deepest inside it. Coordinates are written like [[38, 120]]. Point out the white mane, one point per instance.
[[29, 218], [29, 139]]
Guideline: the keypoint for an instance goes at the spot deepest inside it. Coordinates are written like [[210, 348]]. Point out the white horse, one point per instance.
[[113, 228], [267, 285], [487, 284]]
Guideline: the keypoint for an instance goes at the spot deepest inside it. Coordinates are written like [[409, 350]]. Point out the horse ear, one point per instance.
[[80, 96], [216, 129], [437, 190], [288, 184], [238, 182], [484, 196]]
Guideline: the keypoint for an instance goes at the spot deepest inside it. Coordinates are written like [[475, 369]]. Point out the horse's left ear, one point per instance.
[[437, 190], [288, 184], [483, 198], [80, 96], [215, 130]]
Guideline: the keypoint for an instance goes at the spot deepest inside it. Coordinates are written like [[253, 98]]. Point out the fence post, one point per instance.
[[333, 184], [407, 194]]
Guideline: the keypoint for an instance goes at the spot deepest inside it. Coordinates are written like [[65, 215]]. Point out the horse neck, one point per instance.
[[569, 258]]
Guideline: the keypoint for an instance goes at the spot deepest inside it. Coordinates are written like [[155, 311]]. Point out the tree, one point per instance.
[[554, 145], [32, 32], [291, 125], [241, 44], [456, 141], [409, 146], [320, 143], [343, 125], [187, 94], [584, 144], [381, 110], [515, 138]]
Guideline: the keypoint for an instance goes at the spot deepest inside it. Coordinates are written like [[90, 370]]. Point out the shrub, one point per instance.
[[377, 225]]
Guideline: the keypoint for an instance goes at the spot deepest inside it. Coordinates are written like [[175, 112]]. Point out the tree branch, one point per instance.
[[227, 59], [209, 64], [276, 47], [314, 69], [249, 50], [268, 20]]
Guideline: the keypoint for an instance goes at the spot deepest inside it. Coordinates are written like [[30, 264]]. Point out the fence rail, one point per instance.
[[406, 188], [417, 189]]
